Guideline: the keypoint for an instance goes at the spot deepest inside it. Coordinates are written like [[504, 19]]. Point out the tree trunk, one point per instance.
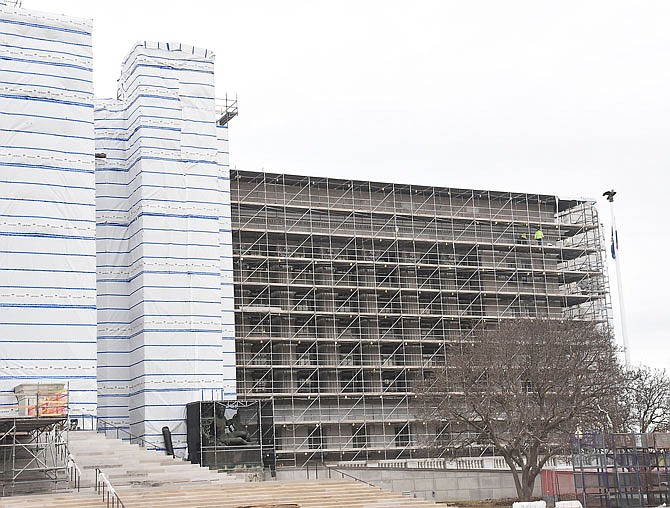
[[527, 484], [518, 484]]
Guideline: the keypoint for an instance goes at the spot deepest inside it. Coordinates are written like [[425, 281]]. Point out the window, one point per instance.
[[315, 435], [402, 435], [360, 437]]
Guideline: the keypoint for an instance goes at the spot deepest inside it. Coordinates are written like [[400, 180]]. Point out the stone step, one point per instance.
[[306, 495], [144, 478], [311, 494]]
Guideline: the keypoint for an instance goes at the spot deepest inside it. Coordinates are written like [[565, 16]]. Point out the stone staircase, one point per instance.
[[128, 465], [310, 494], [148, 479]]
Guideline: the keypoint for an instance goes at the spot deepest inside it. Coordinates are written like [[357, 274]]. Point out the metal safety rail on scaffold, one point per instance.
[[33, 439], [620, 470], [33, 453], [349, 293], [226, 109]]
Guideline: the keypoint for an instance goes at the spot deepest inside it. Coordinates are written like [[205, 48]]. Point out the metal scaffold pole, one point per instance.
[[617, 262]]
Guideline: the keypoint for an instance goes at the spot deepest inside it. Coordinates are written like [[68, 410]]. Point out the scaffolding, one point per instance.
[[33, 439], [349, 293], [621, 470]]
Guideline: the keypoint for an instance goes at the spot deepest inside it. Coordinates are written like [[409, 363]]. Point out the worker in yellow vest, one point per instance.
[[539, 235]]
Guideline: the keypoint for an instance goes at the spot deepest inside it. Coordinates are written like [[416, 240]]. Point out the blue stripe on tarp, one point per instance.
[[49, 51], [183, 96], [127, 109], [203, 148], [136, 140], [51, 41], [175, 244], [67, 219], [142, 230], [181, 120], [126, 295], [22, 341], [49, 118], [156, 272], [45, 99], [72, 376], [197, 134], [44, 271], [158, 315], [163, 173], [50, 150], [57, 358], [143, 301], [137, 150], [158, 360], [49, 287], [161, 257], [155, 200], [36, 253], [45, 167], [46, 306], [152, 186], [85, 92], [167, 67], [136, 130], [199, 84], [46, 235], [158, 158], [142, 346], [47, 27], [23, 73], [87, 138], [2, 198], [42, 62], [157, 330], [137, 74], [51, 324], [157, 214], [164, 390], [47, 184]]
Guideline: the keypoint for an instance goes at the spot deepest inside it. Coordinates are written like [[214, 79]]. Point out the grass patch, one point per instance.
[[485, 503]]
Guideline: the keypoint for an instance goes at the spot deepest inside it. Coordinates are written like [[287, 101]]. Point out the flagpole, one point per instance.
[[617, 259]]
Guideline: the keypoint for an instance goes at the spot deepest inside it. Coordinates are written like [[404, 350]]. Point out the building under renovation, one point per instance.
[[348, 293], [138, 276]]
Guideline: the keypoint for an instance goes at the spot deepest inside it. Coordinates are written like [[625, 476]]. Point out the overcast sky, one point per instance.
[[567, 98]]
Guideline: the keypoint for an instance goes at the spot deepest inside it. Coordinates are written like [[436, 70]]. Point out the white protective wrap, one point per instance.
[[165, 293], [47, 208]]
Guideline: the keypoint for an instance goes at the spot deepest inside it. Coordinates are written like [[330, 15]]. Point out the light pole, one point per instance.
[[617, 259]]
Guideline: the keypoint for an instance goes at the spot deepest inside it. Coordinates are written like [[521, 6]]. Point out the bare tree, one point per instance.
[[525, 387], [647, 398]]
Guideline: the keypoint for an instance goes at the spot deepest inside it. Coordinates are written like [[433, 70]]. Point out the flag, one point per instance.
[[615, 243]]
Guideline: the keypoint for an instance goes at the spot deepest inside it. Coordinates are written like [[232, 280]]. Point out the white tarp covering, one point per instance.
[[47, 207], [165, 293]]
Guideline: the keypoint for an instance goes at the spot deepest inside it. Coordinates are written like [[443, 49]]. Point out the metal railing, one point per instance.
[[332, 470], [226, 109], [73, 472], [107, 491], [104, 426]]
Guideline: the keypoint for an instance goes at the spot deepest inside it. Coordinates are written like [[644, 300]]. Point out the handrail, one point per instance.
[[343, 474], [73, 471], [132, 437], [104, 488], [143, 442]]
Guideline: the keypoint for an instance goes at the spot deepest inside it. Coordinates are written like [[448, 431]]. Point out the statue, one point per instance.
[[229, 432]]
